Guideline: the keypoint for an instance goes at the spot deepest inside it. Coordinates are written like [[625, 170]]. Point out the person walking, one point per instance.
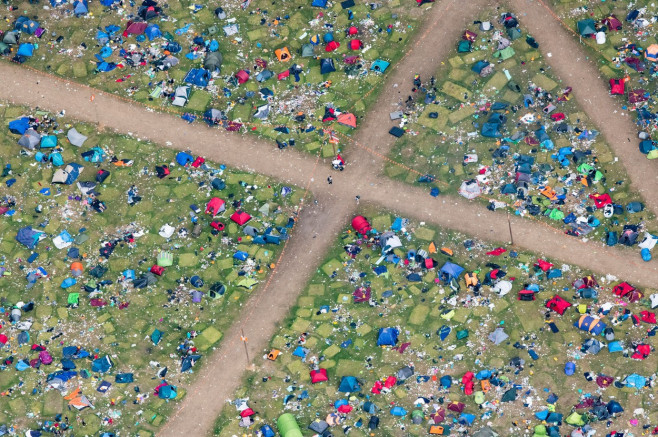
[[357, 199], [330, 180]]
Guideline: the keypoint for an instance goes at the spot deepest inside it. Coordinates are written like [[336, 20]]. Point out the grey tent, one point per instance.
[[4, 49], [250, 230], [30, 139], [213, 61], [167, 62], [307, 51], [586, 27], [370, 407], [319, 426], [509, 396], [498, 336], [75, 137], [485, 432], [262, 112], [11, 38], [181, 95], [404, 373]]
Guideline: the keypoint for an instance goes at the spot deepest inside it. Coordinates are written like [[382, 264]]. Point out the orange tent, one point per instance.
[[283, 54], [549, 192], [77, 400], [347, 119], [76, 268]]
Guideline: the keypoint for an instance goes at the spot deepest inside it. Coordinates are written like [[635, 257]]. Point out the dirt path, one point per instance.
[[569, 60], [434, 42], [318, 224]]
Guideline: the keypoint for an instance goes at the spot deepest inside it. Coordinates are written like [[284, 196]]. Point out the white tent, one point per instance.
[[470, 189], [75, 137]]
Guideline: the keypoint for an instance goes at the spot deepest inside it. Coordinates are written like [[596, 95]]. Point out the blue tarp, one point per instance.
[[19, 126], [101, 365], [242, 256], [349, 384]]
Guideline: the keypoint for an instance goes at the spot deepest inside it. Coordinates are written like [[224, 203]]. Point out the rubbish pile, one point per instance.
[[121, 265], [417, 331]]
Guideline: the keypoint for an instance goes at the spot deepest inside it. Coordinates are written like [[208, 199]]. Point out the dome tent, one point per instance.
[[213, 61]]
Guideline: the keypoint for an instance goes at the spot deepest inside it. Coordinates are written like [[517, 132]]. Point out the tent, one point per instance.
[[450, 271], [288, 427], [212, 116], [30, 139], [379, 66], [349, 384], [591, 324], [558, 304], [586, 27], [470, 189], [48, 142], [181, 95], [319, 426], [319, 375], [152, 31], [135, 28], [347, 119], [307, 50], [617, 86], [327, 66], [11, 38], [75, 137], [25, 49], [198, 77], [575, 419], [242, 76], [215, 206], [651, 53], [19, 126], [80, 7], [213, 61], [498, 336], [24, 24], [361, 225], [491, 130], [29, 237], [67, 175], [398, 411], [240, 217], [319, 3], [387, 337], [505, 53]]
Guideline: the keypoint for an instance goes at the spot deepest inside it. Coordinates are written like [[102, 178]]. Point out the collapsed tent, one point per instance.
[[67, 175]]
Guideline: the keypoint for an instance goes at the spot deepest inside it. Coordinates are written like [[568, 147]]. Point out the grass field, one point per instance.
[[127, 316], [445, 129], [262, 28], [340, 336]]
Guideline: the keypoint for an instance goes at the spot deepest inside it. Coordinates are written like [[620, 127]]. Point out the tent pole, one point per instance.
[[509, 224], [244, 341]]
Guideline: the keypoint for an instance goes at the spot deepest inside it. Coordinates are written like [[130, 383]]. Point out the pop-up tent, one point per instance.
[[215, 206], [198, 77], [361, 225], [591, 324], [30, 139], [75, 137], [327, 66]]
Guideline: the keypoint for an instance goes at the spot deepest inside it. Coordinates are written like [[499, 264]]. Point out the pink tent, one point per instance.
[[240, 217]]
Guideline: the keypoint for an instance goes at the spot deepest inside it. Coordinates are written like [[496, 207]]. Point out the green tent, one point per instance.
[[575, 419], [74, 298], [586, 27], [653, 154], [288, 426], [513, 33], [505, 53], [462, 334], [247, 283], [540, 431], [165, 259], [555, 214], [479, 397]]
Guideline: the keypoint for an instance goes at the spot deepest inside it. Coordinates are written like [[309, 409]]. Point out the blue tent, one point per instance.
[[104, 67], [491, 130], [80, 7], [267, 431], [614, 407], [184, 158], [349, 384], [156, 336], [591, 324], [26, 25], [68, 282], [446, 381], [635, 380], [379, 66], [647, 146], [569, 368], [28, 237], [48, 141], [450, 271], [123, 378], [188, 362], [319, 3], [68, 364], [615, 346], [101, 365], [198, 77], [554, 418], [242, 256], [25, 49], [63, 375], [167, 392], [543, 138], [19, 126], [109, 2], [327, 66], [466, 419], [387, 337], [56, 3], [398, 411], [152, 32]]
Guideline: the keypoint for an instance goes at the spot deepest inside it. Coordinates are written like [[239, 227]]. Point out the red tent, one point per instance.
[[198, 162], [345, 409], [467, 380], [361, 225], [333, 45], [526, 295], [627, 290], [246, 413], [601, 200], [558, 304], [240, 217], [617, 86], [215, 206], [135, 28], [356, 44], [612, 22], [361, 294], [648, 317], [347, 119], [352, 30], [242, 76], [457, 407], [642, 351], [319, 375]]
